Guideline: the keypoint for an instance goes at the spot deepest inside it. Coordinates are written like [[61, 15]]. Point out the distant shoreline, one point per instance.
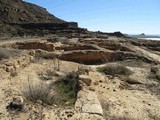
[[158, 39]]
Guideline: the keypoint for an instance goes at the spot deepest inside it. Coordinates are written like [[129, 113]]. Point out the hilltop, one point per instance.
[[19, 18], [18, 11]]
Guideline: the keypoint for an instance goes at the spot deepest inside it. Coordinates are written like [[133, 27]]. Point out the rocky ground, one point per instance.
[[23, 70]]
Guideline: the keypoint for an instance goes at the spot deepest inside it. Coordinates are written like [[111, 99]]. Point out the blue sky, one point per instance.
[[127, 16]]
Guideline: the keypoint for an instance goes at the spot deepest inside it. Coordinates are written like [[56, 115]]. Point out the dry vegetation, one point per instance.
[[38, 91], [6, 53], [115, 70], [67, 88], [63, 91]]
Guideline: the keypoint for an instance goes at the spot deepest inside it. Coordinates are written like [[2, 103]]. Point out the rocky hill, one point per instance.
[[19, 18], [18, 11]]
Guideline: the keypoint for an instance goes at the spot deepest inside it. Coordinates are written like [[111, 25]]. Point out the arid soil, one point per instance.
[[100, 96]]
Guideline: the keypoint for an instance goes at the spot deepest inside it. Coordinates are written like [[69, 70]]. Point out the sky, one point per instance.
[[126, 16]]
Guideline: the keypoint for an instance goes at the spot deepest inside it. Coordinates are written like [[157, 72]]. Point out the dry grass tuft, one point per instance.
[[38, 91], [62, 92], [115, 70]]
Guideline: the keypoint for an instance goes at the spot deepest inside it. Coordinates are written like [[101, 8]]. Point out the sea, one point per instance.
[[157, 39]]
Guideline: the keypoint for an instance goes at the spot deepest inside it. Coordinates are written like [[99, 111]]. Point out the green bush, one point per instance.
[[115, 70], [67, 87], [61, 92]]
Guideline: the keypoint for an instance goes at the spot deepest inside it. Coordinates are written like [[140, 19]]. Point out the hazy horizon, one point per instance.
[[126, 16]]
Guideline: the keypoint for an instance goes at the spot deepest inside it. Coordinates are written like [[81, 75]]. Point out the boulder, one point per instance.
[[92, 109], [87, 102], [8, 63], [134, 80], [91, 88], [59, 74], [16, 104], [9, 69], [85, 79]]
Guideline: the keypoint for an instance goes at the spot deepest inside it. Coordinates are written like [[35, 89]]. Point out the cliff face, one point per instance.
[[18, 11]]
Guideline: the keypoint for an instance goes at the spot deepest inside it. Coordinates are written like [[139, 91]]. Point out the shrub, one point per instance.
[[3, 54], [61, 92], [154, 73], [13, 74], [7, 53], [38, 91], [133, 63], [67, 87], [152, 76], [115, 70]]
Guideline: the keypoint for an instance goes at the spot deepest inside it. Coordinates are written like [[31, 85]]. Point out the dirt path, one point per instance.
[[13, 40]]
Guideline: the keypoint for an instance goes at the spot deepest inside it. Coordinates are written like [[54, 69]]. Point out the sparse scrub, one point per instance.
[[154, 87], [152, 76], [67, 87], [38, 91], [133, 63], [13, 73], [7, 53], [61, 92], [3, 54], [115, 70], [153, 73]]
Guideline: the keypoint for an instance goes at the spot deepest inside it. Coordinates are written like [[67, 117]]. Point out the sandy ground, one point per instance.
[[119, 99]]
